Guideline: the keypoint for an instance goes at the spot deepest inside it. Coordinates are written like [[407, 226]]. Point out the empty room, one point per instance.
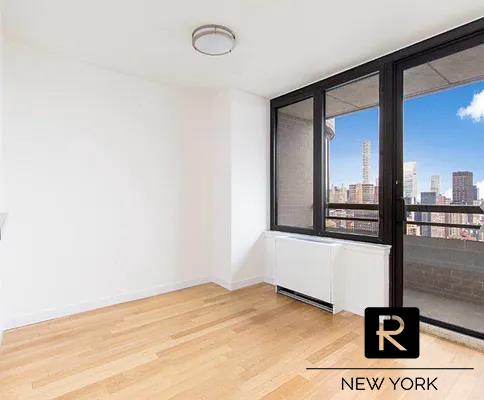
[[241, 199]]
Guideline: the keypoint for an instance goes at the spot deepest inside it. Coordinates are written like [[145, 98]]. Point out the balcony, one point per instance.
[[444, 276], [443, 262], [445, 279]]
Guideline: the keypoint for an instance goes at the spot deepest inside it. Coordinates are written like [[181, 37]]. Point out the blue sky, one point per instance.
[[435, 136]]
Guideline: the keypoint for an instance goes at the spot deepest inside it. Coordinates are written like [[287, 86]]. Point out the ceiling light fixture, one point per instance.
[[213, 40]]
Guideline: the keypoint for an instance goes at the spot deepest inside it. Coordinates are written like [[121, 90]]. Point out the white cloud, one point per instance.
[[475, 109], [448, 193]]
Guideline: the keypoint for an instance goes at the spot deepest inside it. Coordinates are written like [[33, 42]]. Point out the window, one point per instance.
[[443, 142], [294, 164], [391, 152], [352, 143], [329, 186]]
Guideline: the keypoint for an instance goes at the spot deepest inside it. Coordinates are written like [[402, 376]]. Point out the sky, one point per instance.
[[443, 132]]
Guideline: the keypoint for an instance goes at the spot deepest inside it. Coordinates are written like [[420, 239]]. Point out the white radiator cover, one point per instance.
[[349, 275], [306, 267]]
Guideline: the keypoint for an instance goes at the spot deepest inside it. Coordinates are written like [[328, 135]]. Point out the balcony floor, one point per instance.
[[457, 312]]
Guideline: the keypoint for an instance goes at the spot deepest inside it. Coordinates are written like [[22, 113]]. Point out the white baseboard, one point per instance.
[[246, 282], [221, 282], [234, 285], [123, 298], [99, 303], [269, 280]]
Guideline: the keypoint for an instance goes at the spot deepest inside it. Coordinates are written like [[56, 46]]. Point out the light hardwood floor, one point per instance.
[[208, 343]]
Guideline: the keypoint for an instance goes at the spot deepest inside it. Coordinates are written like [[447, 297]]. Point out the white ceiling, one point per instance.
[[440, 74], [281, 44]]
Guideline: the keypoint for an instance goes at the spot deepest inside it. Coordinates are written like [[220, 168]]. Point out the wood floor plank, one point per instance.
[[208, 343], [287, 388]]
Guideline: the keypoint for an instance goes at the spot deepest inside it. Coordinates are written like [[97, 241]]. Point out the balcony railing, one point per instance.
[[437, 208], [355, 207], [444, 209]]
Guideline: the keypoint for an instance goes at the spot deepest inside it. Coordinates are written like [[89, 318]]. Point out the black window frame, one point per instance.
[[459, 42], [287, 101], [373, 70], [390, 184], [391, 205], [317, 92]]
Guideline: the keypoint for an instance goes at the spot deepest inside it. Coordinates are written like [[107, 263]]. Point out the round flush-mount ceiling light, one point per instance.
[[213, 40]]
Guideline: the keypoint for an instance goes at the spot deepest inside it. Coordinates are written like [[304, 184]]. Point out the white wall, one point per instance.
[[240, 193], [106, 179], [2, 188], [2, 182], [220, 165], [119, 188], [249, 186]]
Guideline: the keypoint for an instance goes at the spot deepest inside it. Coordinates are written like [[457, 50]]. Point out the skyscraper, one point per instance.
[[376, 199], [429, 198], [355, 193], [435, 184], [366, 161], [410, 181], [338, 194], [368, 193], [463, 191], [441, 218]]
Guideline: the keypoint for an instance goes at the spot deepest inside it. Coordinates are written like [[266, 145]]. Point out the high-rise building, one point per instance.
[[366, 161], [413, 230], [355, 193], [427, 198], [475, 193], [462, 187], [441, 218], [338, 194], [410, 181], [361, 193], [368, 193], [376, 199], [435, 184], [456, 218]]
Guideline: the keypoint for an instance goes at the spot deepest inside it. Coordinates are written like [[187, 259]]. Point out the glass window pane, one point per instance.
[[443, 142], [294, 169], [352, 142]]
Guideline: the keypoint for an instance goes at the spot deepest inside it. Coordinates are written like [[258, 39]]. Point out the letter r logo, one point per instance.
[[383, 334], [392, 332]]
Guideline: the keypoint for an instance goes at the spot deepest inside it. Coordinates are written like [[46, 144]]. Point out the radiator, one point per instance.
[[304, 270]]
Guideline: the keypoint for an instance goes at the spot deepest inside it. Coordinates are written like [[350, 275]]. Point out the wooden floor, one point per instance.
[[208, 343]]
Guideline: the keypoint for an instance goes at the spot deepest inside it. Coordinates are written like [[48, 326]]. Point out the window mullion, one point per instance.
[[318, 171]]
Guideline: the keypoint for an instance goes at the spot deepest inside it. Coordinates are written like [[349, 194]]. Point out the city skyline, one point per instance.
[[430, 139], [465, 192]]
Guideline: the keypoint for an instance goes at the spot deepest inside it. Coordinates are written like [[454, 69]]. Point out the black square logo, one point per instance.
[[392, 332]]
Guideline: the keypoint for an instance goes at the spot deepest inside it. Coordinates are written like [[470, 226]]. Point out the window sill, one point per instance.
[[381, 249]]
